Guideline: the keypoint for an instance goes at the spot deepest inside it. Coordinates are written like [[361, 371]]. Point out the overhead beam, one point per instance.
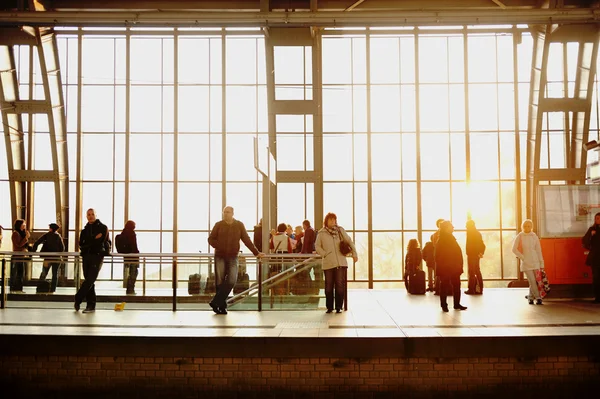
[[301, 19], [353, 6], [499, 4]]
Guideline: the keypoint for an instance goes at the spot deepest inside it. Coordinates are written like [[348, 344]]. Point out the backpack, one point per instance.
[[121, 244]]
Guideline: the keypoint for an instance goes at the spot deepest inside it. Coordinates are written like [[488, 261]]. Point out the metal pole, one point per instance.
[[174, 284], [3, 293], [144, 277], [259, 276]]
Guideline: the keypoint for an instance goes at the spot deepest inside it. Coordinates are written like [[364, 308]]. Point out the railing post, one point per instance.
[[144, 276], [174, 284], [77, 273], [3, 304], [259, 275]]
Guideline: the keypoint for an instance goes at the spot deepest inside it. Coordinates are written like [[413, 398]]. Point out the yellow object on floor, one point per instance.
[[120, 306]]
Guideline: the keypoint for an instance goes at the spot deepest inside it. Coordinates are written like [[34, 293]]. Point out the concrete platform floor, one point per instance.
[[372, 313]]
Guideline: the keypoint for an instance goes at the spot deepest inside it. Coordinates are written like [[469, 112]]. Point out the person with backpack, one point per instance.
[[92, 244], [50, 242], [591, 242], [428, 257], [126, 243]]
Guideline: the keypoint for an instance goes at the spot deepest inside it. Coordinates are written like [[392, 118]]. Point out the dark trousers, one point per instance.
[[475, 277], [91, 268], [46, 268], [454, 281], [335, 278], [596, 280], [133, 273], [226, 272], [17, 270]]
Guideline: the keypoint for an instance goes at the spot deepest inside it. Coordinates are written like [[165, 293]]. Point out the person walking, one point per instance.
[[449, 265], [475, 250], [591, 242], [335, 264], [225, 238], [92, 247], [528, 249], [50, 242]]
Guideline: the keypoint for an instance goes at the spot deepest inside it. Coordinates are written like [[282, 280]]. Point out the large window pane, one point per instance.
[[337, 60], [385, 106], [144, 201], [146, 109], [337, 168], [194, 65], [241, 109], [194, 108], [484, 204], [44, 209], [193, 206], [146, 60], [385, 159], [435, 153], [337, 198], [385, 60], [409, 206], [409, 156], [387, 256], [434, 108], [99, 197], [491, 262], [482, 58], [337, 109], [291, 200], [241, 61], [240, 157], [484, 156], [483, 108], [98, 60], [97, 109], [435, 203], [242, 197], [194, 155], [145, 155], [387, 206], [97, 156], [433, 59]]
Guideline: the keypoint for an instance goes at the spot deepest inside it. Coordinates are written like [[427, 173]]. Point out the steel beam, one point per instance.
[[13, 36], [33, 175], [302, 19], [50, 73], [13, 130], [26, 107]]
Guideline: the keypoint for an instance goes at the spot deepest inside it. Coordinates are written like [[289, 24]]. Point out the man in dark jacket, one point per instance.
[[91, 245], [50, 242], [449, 265], [225, 238], [475, 251]]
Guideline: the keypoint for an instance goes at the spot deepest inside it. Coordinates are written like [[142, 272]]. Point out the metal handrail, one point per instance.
[[178, 259], [280, 277]]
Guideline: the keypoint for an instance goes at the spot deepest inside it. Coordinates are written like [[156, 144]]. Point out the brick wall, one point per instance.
[[76, 376]]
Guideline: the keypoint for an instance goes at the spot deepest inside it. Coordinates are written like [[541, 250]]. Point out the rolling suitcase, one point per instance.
[[416, 283], [194, 284]]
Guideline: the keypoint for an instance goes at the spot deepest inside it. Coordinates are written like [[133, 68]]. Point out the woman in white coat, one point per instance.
[[528, 249], [335, 265]]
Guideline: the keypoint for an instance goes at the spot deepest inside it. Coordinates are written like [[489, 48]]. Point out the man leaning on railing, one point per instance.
[[225, 239]]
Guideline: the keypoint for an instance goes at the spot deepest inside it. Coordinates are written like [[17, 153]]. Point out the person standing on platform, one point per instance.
[[50, 242], [225, 238], [92, 246], [434, 239], [449, 265], [591, 242], [475, 250], [528, 249], [126, 243], [335, 264], [20, 243]]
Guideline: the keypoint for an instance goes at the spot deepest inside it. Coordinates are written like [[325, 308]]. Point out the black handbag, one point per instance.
[[345, 247]]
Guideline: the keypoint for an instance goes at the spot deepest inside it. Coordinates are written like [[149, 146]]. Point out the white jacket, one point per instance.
[[328, 247], [527, 248]]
